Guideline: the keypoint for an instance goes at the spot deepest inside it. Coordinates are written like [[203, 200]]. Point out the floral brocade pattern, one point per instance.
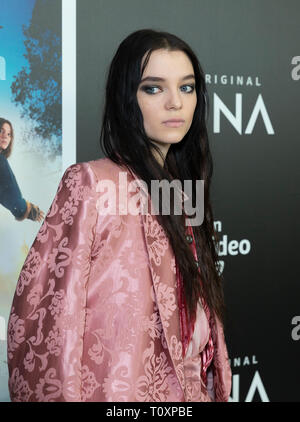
[[95, 313]]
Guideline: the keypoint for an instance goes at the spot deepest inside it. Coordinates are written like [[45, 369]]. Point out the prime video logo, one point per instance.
[[123, 203]]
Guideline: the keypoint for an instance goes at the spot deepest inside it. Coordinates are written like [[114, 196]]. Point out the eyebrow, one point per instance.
[[158, 79]]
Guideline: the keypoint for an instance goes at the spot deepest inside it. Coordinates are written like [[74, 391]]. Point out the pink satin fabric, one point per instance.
[[193, 360], [95, 314], [188, 327]]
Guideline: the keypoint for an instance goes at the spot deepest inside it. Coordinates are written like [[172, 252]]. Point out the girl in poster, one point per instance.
[[10, 194]]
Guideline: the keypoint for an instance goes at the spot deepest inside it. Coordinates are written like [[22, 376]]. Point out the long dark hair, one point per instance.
[[6, 152], [124, 141]]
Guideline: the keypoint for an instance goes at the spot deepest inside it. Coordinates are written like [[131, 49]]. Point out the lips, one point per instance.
[[3, 142], [173, 122]]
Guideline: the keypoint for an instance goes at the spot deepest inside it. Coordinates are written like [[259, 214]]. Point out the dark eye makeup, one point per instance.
[[148, 88]]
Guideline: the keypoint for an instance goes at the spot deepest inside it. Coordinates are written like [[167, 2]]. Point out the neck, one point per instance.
[[164, 148]]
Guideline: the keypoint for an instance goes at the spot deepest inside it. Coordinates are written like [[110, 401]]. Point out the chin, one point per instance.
[[175, 141], [173, 138]]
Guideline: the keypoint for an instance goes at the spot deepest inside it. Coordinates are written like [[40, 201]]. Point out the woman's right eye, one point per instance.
[[149, 89]]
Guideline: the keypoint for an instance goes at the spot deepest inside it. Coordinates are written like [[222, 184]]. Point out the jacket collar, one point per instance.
[[163, 273]]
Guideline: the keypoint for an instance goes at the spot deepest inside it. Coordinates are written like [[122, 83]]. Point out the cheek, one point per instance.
[[192, 107], [149, 113]]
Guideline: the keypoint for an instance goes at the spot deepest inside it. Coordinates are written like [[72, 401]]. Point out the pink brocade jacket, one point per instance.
[[95, 314]]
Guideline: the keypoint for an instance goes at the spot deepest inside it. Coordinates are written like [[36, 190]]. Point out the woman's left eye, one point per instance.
[[190, 88]]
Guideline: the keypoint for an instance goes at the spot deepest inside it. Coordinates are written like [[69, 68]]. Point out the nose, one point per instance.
[[174, 99]]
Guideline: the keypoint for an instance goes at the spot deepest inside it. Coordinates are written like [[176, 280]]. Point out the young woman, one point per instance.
[[114, 304], [10, 194]]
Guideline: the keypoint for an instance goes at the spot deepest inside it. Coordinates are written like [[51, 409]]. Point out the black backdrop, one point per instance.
[[250, 54]]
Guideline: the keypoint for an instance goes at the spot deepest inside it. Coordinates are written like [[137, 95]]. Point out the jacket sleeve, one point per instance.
[[10, 194], [47, 318]]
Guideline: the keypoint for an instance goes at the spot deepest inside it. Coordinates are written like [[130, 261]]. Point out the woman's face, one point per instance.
[[168, 93], [5, 136]]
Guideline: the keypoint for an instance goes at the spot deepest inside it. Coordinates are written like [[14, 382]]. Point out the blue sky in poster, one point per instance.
[[13, 15]]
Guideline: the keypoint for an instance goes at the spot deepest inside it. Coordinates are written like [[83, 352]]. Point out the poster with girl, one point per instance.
[[30, 137]]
